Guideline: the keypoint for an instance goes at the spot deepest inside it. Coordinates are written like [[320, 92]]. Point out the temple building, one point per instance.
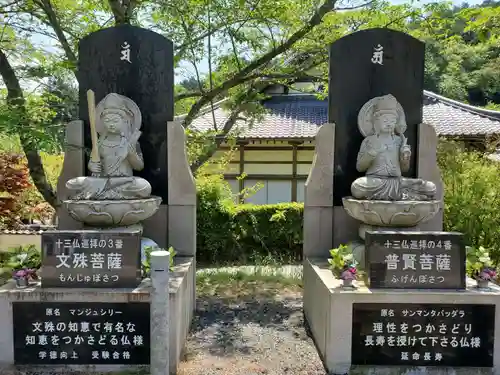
[[277, 150]]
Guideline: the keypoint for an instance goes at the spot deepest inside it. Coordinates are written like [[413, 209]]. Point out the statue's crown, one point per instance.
[[385, 103], [116, 102]]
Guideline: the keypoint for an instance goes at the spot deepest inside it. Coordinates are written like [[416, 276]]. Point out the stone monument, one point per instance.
[[375, 177], [384, 198], [113, 196], [119, 190]]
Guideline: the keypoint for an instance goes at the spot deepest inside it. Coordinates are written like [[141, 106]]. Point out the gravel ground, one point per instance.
[[251, 329]]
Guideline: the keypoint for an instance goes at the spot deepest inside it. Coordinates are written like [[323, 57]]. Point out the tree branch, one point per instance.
[[219, 139], [296, 77], [240, 77], [357, 6], [122, 11], [56, 26], [16, 101]]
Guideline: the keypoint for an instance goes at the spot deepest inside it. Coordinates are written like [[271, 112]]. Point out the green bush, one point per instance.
[[16, 258], [213, 223], [230, 233], [249, 233], [472, 196]]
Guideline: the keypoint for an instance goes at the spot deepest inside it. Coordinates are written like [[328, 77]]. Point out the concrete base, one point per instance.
[[182, 304], [328, 311]]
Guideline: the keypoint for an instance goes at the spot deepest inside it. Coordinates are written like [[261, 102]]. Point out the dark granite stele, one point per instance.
[[81, 333], [76, 370], [91, 259], [415, 260], [429, 334], [147, 78], [354, 79]]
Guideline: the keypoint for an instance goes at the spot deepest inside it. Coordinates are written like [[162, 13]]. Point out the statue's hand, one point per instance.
[[95, 167], [135, 137], [133, 140], [374, 147], [405, 149]]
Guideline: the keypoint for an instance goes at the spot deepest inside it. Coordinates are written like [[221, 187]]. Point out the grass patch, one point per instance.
[[246, 282]]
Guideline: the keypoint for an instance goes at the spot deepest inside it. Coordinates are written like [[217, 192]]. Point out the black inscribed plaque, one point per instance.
[[51, 333], [91, 259], [354, 79], [415, 260], [146, 77], [398, 334]]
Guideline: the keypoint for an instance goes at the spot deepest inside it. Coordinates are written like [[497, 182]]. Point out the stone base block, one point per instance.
[[328, 312], [363, 228], [182, 304]]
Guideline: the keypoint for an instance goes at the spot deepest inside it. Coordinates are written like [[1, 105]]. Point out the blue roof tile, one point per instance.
[[299, 116]]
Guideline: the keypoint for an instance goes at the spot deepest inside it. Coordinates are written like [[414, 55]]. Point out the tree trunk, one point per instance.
[[16, 102], [122, 10]]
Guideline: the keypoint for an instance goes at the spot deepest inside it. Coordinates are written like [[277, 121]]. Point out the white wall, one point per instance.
[[277, 191]]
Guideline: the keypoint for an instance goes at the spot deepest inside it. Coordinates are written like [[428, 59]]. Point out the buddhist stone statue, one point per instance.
[[118, 120], [384, 154]]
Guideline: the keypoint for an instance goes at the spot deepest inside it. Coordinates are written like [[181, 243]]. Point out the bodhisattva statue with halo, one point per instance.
[[112, 195], [384, 155], [383, 197]]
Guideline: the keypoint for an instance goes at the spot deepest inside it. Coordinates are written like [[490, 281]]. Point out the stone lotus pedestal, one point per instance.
[[387, 215], [112, 213]]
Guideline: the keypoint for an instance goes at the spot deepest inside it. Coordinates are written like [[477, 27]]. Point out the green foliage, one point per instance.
[[229, 233], [39, 121], [146, 263], [477, 260], [472, 196], [17, 258], [341, 258]]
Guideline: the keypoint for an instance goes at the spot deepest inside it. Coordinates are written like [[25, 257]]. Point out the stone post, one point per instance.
[[160, 262], [319, 191], [73, 166]]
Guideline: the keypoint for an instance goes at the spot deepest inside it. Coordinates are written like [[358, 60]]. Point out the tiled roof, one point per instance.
[[299, 116], [21, 232], [28, 230]]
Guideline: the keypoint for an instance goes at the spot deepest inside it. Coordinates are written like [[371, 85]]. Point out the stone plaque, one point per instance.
[[396, 334], [51, 333], [139, 64], [415, 260], [91, 259], [364, 65]]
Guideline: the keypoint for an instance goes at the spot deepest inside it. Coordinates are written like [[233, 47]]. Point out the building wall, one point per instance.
[[281, 166]]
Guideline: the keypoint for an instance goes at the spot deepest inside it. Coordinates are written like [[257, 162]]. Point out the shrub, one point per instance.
[[21, 257], [229, 233], [14, 181], [16, 258], [268, 232], [34, 206], [472, 196], [213, 223]]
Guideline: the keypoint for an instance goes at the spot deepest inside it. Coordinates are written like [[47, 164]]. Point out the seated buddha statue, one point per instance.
[[118, 120], [384, 154]]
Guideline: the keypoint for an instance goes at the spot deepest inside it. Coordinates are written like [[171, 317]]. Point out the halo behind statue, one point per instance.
[[365, 115], [118, 101]]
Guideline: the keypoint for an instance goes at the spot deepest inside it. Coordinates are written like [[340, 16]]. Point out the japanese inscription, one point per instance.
[[125, 52], [81, 333], [415, 260], [378, 55], [91, 259], [423, 335]]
